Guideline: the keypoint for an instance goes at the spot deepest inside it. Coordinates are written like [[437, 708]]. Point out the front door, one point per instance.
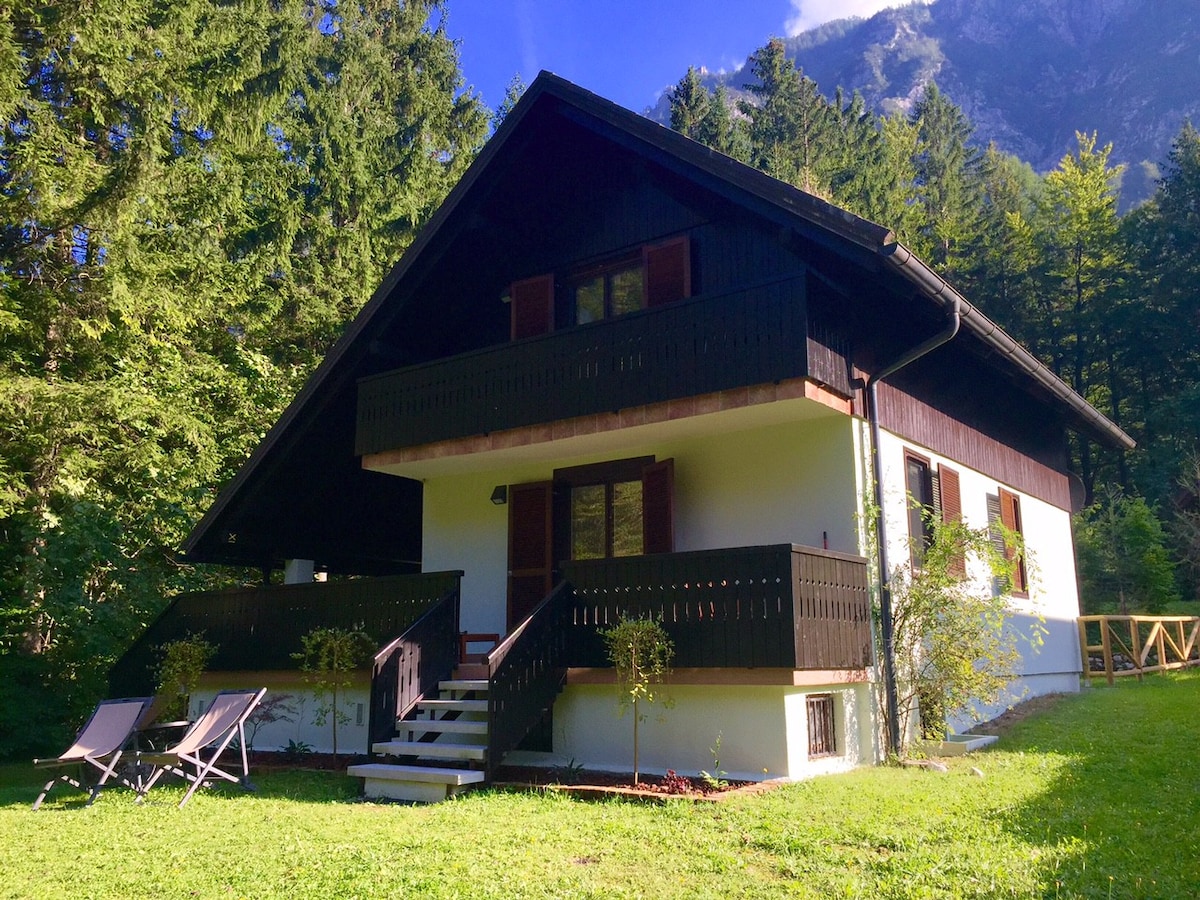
[[530, 548], [623, 508]]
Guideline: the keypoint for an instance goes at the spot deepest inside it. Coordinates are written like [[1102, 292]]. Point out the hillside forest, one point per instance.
[[197, 197]]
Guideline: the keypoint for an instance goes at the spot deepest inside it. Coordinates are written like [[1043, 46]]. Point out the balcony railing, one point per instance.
[[779, 606], [259, 628], [713, 343]]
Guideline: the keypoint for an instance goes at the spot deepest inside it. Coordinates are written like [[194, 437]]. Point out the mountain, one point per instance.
[[1028, 73]]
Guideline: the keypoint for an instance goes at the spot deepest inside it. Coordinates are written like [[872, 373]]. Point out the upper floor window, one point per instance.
[[610, 290], [933, 495], [648, 276], [1004, 508], [918, 480]]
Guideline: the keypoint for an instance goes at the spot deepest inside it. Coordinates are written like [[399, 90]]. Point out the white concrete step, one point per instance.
[[453, 705], [463, 684], [445, 726], [419, 784], [431, 749]]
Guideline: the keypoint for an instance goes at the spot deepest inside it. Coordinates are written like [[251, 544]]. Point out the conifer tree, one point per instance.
[[945, 163], [194, 199], [690, 105]]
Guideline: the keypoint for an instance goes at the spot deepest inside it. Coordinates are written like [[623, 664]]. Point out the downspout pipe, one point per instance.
[[886, 620]]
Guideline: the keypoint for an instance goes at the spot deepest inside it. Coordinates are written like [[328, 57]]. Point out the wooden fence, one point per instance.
[[1115, 646]]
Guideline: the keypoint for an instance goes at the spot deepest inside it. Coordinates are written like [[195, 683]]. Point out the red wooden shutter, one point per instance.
[[658, 507], [530, 560], [1010, 517], [950, 499], [668, 271], [532, 302]]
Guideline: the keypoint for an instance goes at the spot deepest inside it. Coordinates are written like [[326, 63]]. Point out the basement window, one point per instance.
[[822, 726]]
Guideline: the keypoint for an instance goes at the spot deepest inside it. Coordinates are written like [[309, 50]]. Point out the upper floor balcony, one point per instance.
[[757, 335]]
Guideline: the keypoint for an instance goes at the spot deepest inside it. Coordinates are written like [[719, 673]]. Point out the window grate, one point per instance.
[[822, 728]]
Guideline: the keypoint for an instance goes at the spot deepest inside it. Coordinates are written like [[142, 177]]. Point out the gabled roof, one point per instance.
[[267, 475]]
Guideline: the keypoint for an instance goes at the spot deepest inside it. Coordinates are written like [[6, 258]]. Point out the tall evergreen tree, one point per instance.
[[1083, 283], [690, 106], [945, 163], [791, 125], [194, 198]]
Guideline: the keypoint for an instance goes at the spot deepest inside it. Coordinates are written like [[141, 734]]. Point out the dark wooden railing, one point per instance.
[[260, 628], [710, 343], [780, 606], [526, 671], [410, 667]]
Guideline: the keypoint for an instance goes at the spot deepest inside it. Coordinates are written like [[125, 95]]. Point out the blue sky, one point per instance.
[[624, 50]]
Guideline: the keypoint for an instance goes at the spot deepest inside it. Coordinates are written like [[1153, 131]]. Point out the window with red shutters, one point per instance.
[[1010, 517]]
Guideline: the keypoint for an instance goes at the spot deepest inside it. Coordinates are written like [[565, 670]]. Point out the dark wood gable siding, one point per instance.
[[916, 420]]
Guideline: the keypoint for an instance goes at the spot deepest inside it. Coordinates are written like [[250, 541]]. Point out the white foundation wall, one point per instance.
[[785, 483], [355, 703], [1053, 602], [763, 730]]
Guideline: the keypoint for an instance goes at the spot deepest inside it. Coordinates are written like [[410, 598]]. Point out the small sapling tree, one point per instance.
[[178, 674], [641, 652], [327, 658]]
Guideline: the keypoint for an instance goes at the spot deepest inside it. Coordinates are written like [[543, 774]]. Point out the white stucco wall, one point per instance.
[[352, 737], [1053, 601], [784, 483], [763, 730]]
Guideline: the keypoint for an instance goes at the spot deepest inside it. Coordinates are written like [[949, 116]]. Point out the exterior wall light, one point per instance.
[[500, 494]]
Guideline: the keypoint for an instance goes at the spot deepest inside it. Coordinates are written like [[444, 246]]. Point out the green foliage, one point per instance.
[[1124, 563], [327, 658], [956, 645], [178, 673], [641, 653], [195, 197]]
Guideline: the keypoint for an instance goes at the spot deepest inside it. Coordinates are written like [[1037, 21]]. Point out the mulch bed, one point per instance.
[[584, 784], [591, 785]]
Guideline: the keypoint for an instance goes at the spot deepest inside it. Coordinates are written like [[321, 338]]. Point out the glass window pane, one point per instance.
[[627, 291], [588, 522], [589, 301], [627, 518]]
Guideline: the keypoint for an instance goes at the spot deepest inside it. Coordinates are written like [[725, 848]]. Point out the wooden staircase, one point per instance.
[[440, 749]]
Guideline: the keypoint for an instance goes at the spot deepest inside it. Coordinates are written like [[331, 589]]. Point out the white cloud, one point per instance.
[[811, 13]]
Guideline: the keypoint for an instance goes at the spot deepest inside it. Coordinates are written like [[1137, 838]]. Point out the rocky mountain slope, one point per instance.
[[1028, 73]]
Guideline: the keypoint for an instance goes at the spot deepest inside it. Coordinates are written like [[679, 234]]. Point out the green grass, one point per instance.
[[1096, 798]]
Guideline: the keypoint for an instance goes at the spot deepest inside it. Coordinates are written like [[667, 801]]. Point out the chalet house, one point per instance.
[[621, 374]]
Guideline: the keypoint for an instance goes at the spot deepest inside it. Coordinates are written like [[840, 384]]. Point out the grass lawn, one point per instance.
[[1095, 798]]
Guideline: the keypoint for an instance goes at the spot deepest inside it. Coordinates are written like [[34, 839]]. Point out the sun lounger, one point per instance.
[[100, 743], [223, 721]]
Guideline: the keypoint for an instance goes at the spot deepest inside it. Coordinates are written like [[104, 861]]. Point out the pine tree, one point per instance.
[[1082, 289], [194, 198], [945, 165], [690, 106], [791, 125]]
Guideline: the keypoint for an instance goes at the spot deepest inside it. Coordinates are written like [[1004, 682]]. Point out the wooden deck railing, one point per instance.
[[1115, 646], [409, 668], [706, 344], [258, 628], [782, 606]]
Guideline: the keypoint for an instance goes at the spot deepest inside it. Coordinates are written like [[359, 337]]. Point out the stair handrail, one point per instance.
[[526, 671], [408, 668]]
